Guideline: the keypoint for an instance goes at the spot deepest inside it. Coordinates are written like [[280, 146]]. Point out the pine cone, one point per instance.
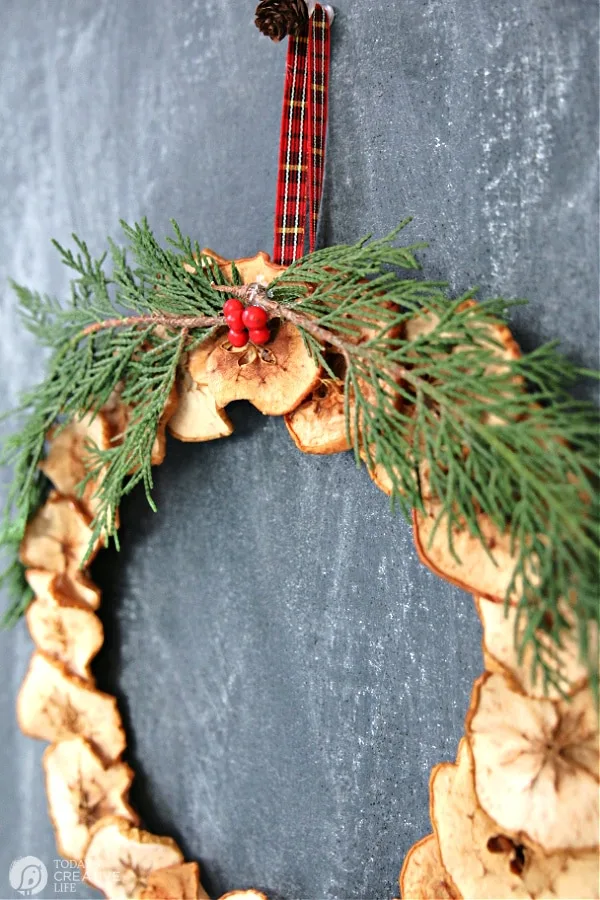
[[278, 18]]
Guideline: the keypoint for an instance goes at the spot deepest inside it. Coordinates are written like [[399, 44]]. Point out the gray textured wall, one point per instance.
[[288, 671]]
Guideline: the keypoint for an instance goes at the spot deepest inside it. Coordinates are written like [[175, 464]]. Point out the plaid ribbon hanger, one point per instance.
[[302, 140]]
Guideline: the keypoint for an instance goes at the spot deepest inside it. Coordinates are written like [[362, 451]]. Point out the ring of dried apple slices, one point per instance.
[[515, 816]]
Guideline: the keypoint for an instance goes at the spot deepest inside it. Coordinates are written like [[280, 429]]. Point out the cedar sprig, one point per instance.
[[88, 363], [525, 458]]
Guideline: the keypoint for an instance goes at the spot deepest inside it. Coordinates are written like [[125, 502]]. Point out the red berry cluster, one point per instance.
[[245, 323]]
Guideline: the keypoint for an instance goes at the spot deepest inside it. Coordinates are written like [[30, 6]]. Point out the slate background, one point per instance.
[[288, 671]]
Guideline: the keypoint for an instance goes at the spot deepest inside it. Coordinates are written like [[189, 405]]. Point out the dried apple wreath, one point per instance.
[[354, 357]]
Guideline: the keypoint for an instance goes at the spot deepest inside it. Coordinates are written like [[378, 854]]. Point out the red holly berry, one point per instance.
[[260, 335], [233, 307], [254, 317], [235, 322], [237, 338]]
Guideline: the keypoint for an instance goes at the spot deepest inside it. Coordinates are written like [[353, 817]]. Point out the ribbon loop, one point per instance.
[[302, 140]]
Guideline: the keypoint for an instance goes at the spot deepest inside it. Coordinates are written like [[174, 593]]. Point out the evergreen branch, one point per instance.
[[528, 460], [96, 348], [130, 462]]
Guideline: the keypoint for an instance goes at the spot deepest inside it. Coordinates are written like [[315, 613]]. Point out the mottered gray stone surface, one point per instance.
[[287, 670]]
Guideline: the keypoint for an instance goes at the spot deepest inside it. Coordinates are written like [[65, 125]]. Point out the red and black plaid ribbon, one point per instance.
[[291, 176], [302, 142]]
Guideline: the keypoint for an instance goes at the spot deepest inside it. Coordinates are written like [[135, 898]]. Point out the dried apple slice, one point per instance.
[[67, 630], [474, 570], [120, 858], [181, 881], [274, 378], [68, 459], [485, 862], [81, 791], [119, 414], [379, 473], [318, 424], [58, 537], [506, 351], [78, 589], [423, 876], [198, 417], [499, 645], [501, 344], [502, 347], [53, 705], [536, 763]]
